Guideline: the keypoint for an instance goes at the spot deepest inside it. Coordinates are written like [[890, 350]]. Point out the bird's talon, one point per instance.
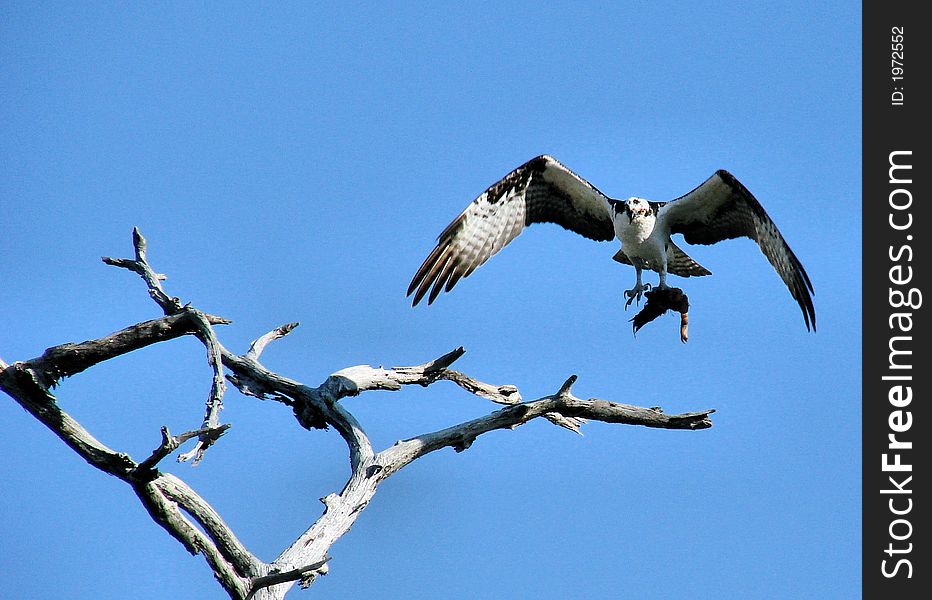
[[635, 293]]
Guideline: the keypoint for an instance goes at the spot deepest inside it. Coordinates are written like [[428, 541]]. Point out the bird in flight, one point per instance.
[[542, 190]]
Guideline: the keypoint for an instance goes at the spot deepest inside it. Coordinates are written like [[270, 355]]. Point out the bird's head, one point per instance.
[[637, 207]]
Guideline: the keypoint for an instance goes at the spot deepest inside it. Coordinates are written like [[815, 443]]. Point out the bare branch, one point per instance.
[[507, 395], [67, 359], [203, 329], [340, 513], [436, 366], [226, 541], [461, 436], [166, 513], [302, 573], [500, 394], [355, 380], [352, 381], [567, 386], [256, 348], [211, 425], [314, 407], [23, 384], [171, 443], [153, 280]]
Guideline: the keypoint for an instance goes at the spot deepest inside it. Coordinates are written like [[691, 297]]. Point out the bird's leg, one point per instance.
[[639, 288], [663, 279]]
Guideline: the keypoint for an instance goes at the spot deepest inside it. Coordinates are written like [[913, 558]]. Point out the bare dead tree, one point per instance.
[[188, 518]]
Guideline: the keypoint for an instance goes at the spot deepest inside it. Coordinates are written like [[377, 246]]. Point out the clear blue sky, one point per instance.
[[295, 162]]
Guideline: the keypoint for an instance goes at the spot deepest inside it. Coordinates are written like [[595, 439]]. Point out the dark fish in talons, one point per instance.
[[659, 301]]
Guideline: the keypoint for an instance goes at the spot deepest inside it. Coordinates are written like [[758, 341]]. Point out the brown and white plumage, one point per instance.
[[540, 191], [544, 191]]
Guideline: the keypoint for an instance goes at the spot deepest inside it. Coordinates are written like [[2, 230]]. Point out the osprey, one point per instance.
[[544, 191]]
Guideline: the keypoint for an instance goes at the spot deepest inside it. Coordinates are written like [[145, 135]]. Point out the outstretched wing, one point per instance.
[[722, 209], [540, 191]]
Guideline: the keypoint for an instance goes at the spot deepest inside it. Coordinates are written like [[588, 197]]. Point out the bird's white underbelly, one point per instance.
[[640, 239]]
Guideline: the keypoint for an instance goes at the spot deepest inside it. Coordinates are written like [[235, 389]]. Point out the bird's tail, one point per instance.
[[680, 263]]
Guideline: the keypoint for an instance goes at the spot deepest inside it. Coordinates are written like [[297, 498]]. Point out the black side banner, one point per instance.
[[897, 373]]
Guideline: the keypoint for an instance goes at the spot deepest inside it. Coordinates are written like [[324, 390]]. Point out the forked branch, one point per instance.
[[191, 520]]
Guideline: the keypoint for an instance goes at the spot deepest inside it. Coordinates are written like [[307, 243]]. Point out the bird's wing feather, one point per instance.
[[721, 209], [539, 191]]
